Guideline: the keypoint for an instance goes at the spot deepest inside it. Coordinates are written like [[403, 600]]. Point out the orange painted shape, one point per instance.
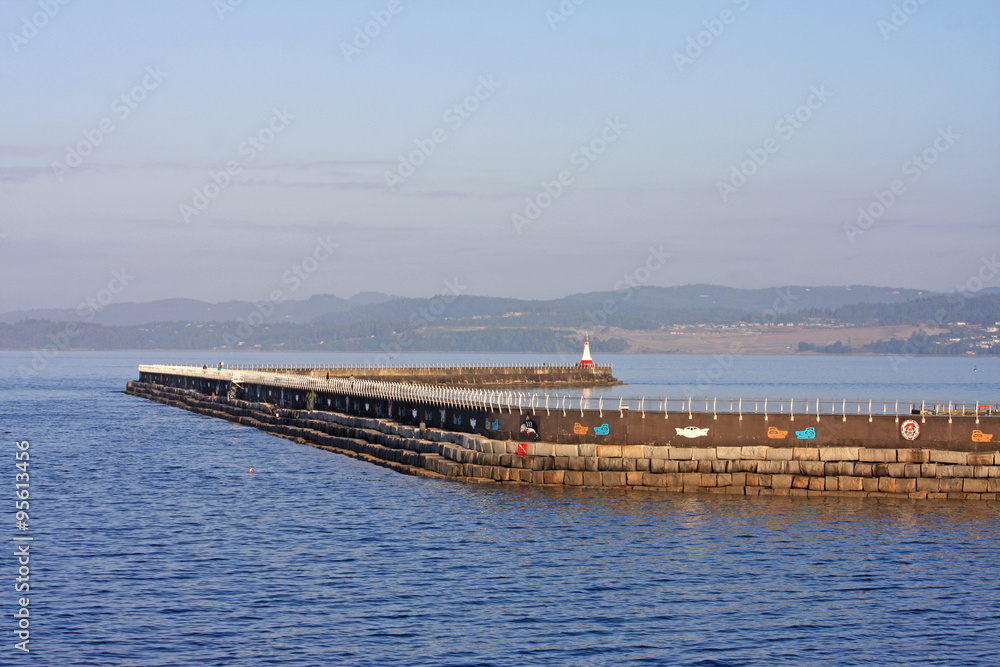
[[775, 434], [579, 429], [979, 436]]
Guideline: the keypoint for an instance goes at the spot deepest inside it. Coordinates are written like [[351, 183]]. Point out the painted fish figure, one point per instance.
[[691, 432]]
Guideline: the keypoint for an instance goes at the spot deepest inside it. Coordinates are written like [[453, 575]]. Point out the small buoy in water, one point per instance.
[[251, 469]]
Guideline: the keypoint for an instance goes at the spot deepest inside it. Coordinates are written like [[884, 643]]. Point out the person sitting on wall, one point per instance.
[[529, 427]]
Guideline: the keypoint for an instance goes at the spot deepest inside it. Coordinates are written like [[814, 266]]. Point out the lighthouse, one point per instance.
[[586, 361]]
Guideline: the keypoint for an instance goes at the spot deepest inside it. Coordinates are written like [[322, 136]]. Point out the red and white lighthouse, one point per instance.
[[586, 361]]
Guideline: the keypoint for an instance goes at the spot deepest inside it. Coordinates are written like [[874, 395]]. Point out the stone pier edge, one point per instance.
[[757, 470]]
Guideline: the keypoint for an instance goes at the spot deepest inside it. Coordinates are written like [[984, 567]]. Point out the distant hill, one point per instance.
[[191, 310]]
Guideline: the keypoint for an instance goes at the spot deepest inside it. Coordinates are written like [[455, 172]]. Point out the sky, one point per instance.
[[217, 149]]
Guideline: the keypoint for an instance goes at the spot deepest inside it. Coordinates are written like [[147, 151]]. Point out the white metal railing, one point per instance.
[[537, 401]]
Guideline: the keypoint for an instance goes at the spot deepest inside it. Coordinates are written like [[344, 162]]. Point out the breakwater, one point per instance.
[[483, 376], [477, 437]]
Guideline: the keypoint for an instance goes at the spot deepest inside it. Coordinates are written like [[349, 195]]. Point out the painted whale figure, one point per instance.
[[691, 432]]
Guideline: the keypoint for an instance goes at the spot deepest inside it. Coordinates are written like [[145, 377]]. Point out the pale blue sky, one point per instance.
[[680, 132]]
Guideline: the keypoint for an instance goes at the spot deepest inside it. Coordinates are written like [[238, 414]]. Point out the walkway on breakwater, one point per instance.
[[481, 376], [903, 472]]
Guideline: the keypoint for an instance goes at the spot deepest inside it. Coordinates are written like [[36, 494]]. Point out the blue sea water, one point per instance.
[[155, 545]]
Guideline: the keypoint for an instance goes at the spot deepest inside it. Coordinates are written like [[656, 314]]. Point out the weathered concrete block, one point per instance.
[[537, 476], [980, 459], [576, 463], [778, 453], [573, 478], [800, 482], [634, 478], [654, 480], [805, 454], [724, 479], [943, 456], [983, 471], [912, 469], [832, 483], [710, 480], [730, 453], [611, 465], [869, 484], [632, 451], [642, 465], [719, 466], [819, 483], [609, 451], [963, 471], [656, 466], [906, 485], [553, 476], [744, 465], [657, 452], [846, 483], [928, 469], [613, 479], [703, 454], [951, 485], [974, 485], [705, 466], [592, 478], [680, 453], [838, 453], [928, 484], [772, 467], [687, 466], [913, 455], [587, 449], [691, 479], [887, 484], [758, 453], [877, 455], [812, 468], [739, 478], [993, 485], [565, 450], [560, 462]]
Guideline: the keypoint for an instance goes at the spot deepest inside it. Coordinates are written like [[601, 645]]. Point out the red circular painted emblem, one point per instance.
[[910, 429]]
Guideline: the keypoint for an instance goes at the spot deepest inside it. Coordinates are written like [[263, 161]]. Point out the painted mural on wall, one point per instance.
[[979, 436], [603, 429], [806, 434], [530, 428], [691, 432], [580, 429], [775, 433], [910, 429]]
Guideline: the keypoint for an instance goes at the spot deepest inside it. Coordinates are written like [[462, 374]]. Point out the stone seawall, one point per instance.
[[747, 470], [550, 376]]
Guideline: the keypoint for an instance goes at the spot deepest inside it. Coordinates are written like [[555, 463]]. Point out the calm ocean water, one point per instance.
[[153, 545]]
